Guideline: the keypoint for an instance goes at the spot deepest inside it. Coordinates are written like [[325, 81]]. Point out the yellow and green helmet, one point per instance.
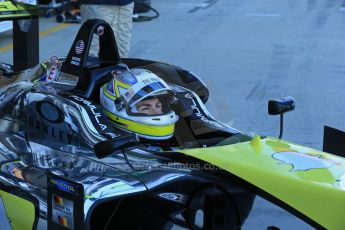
[[122, 95]]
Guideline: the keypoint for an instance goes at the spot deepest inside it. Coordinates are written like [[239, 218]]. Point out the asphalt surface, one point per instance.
[[247, 52]]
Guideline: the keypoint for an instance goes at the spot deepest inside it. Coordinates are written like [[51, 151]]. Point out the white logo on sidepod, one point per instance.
[[303, 161]]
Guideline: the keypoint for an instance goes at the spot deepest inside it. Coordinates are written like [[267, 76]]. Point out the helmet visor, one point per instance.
[[132, 97], [155, 105]]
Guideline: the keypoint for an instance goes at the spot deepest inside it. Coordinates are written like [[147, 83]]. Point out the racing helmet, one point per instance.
[[124, 99]]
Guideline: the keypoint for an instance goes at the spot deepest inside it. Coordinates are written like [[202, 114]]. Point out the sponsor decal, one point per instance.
[[53, 72], [199, 113], [65, 203], [79, 47], [97, 115], [150, 80], [63, 185], [304, 161], [63, 211], [100, 30], [55, 115], [58, 200], [93, 109], [111, 135], [63, 221], [75, 61], [51, 131]]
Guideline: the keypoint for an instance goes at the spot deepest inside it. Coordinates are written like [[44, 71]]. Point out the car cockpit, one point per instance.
[[195, 126]]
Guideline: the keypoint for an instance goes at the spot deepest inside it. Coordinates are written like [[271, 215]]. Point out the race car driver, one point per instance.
[[138, 101]]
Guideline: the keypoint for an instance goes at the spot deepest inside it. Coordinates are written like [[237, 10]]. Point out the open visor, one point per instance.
[[133, 96]]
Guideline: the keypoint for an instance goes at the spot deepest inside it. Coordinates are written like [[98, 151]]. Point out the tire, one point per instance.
[[60, 18]]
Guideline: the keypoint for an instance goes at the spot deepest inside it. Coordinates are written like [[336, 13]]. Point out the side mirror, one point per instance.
[[281, 106], [107, 147], [333, 141]]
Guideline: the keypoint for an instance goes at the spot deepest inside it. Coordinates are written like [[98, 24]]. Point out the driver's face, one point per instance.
[[150, 106]]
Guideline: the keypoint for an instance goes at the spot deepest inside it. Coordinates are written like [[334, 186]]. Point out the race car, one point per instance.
[[64, 165]]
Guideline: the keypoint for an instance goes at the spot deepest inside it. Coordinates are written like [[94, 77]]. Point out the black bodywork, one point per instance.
[[48, 131]]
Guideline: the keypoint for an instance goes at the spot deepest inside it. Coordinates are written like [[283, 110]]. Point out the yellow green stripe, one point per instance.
[[120, 84], [107, 94], [151, 130]]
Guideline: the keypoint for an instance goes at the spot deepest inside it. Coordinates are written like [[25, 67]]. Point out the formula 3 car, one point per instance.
[[63, 165]]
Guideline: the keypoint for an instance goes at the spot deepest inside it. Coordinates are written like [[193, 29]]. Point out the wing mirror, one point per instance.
[[333, 141], [107, 147], [279, 107]]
